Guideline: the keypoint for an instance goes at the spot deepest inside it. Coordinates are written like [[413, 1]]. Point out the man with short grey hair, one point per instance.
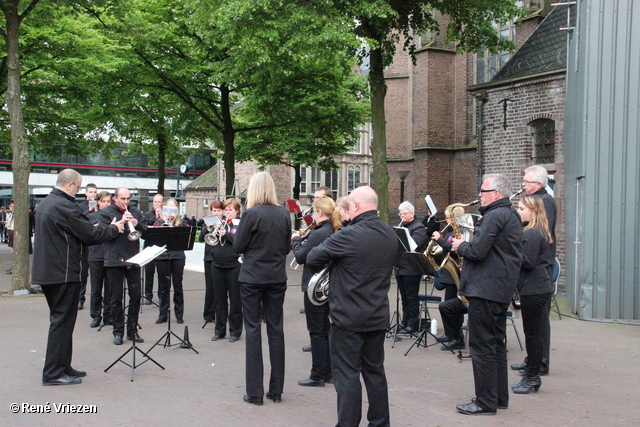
[[490, 269]]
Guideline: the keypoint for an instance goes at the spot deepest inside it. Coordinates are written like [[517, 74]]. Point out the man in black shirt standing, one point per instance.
[[362, 257]]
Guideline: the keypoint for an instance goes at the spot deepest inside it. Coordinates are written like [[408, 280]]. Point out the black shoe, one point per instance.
[[311, 383], [518, 366], [473, 409], [453, 345], [542, 373], [277, 398], [527, 385], [179, 321], [146, 301], [234, 339], [329, 381], [256, 400], [108, 323], [408, 330], [499, 406], [161, 320], [302, 311], [63, 380], [75, 373], [306, 348], [217, 337], [80, 305], [136, 336], [117, 339], [96, 322], [444, 338]]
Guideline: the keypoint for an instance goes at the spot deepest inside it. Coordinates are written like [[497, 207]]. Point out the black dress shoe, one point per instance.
[[233, 339], [311, 383], [499, 405], [329, 381], [277, 398], [256, 400], [217, 337], [117, 339], [542, 372], [75, 373], [444, 338], [161, 320], [527, 385], [80, 305], [136, 336], [96, 322], [518, 366], [146, 301], [306, 348], [302, 311], [453, 345], [473, 409], [180, 321], [63, 380]]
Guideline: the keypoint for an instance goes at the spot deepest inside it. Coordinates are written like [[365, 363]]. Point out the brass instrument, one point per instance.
[[212, 238], [133, 233], [318, 289], [519, 192]]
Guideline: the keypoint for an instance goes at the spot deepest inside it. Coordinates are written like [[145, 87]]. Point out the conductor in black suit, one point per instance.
[[62, 228], [264, 240]]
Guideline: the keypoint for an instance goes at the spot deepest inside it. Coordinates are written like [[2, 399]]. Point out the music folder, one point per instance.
[[147, 255], [174, 238], [417, 260]]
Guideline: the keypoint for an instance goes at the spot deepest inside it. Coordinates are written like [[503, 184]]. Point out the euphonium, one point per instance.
[[318, 289]]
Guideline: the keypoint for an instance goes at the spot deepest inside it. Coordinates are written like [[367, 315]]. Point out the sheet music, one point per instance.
[[412, 244], [147, 255], [212, 220]]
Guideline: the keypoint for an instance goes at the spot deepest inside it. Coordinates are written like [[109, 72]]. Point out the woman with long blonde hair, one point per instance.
[[534, 286], [264, 240], [328, 220]]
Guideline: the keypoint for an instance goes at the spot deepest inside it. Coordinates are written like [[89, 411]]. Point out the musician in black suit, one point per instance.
[[62, 228], [362, 256], [209, 312], [152, 219], [100, 292], [264, 240], [407, 278], [490, 272]]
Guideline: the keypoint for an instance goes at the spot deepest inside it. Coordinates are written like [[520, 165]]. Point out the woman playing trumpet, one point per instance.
[[217, 208], [328, 219]]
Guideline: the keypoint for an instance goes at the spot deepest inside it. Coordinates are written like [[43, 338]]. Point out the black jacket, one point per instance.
[[419, 235], [96, 252], [221, 256], [551, 210], [264, 240], [445, 242], [492, 258], [362, 257], [63, 233], [119, 249], [534, 274], [302, 247]]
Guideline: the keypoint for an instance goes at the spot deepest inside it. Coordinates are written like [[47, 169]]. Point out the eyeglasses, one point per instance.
[[486, 191], [524, 181], [71, 182]]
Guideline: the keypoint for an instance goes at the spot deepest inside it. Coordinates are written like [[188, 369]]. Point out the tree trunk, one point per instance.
[[21, 163], [379, 130], [296, 191], [228, 137], [162, 160]]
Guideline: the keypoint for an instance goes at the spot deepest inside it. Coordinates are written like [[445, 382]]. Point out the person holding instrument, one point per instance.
[[264, 239], [225, 269], [534, 287], [217, 208], [328, 219], [99, 306], [170, 266]]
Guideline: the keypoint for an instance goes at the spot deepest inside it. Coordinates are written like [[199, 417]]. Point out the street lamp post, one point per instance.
[[402, 175]]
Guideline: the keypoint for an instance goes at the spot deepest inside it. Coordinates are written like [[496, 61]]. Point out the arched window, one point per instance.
[[353, 177], [543, 133]]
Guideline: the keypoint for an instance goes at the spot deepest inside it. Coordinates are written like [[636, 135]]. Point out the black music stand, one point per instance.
[[175, 239], [139, 260]]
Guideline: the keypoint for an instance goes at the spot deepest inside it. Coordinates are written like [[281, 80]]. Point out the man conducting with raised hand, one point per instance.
[[63, 233], [362, 257]]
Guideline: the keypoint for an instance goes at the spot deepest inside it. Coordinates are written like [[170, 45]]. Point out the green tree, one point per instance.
[[385, 23]]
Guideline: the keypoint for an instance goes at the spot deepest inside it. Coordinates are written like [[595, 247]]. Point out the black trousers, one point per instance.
[[63, 311], [98, 285], [170, 270], [352, 354], [266, 300], [227, 300], [487, 330], [534, 315], [149, 273], [452, 312], [83, 284], [409, 288], [318, 326], [209, 312], [115, 279], [546, 336]]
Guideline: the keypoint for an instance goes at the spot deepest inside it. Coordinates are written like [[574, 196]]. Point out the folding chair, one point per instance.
[[556, 275]]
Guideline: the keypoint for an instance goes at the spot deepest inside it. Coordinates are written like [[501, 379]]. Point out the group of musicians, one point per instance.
[[509, 250]]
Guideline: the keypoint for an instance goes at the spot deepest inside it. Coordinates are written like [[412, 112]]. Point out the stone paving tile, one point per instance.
[[593, 382]]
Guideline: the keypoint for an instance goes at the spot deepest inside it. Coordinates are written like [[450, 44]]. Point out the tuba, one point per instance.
[[318, 289]]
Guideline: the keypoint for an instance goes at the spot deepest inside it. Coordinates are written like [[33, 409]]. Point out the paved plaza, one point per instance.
[[594, 380]]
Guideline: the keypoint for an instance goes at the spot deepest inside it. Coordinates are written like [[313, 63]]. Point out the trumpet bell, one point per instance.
[[318, 290], [211, 239], [133, 233]]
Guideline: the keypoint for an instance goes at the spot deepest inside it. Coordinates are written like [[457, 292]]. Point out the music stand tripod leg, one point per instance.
[[167, 336]]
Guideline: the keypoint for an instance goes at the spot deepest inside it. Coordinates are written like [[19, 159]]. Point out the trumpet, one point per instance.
[[133, 233], [212, 238]]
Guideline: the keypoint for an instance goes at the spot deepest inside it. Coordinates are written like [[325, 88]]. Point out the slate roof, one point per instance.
[[545, 50], [206, 181]]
